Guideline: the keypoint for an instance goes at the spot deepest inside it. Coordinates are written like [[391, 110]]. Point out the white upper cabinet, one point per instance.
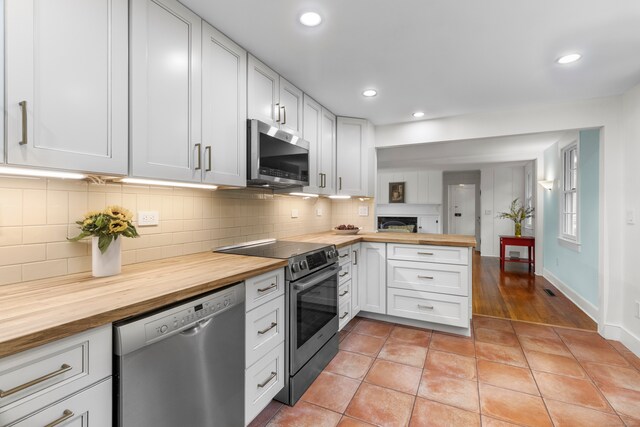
[[327, 164], [263, 91], [165, 91], [66, 84], [355, 161], [272, 99], [312, 114], [224, 109], [430, 187], [291, 100]]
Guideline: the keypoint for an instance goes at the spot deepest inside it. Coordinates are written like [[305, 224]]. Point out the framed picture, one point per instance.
[[396, 192]]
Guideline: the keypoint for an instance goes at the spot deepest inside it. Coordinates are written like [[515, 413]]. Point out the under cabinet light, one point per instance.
[[141, 181], [339, 197], [41, 173], [547, 185], [303, 195]]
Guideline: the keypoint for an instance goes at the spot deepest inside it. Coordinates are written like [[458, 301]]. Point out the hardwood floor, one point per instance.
[[518, 294]]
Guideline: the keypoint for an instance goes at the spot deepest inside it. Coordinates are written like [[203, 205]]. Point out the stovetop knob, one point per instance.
[[295, 267], [304, 265]]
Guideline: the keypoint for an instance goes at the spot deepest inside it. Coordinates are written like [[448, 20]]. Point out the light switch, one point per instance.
[[294, 213], [147, 218], [363, 210], [487, 212], [319, 211]]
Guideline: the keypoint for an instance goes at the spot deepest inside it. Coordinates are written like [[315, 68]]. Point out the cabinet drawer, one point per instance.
[[430, 277], [344, 314], [430, 307], [441, 254], [345, 273], [262, 382], [91, 408], [264, 329], [344, 255], [263, 288], [52, 371], [344, 293]]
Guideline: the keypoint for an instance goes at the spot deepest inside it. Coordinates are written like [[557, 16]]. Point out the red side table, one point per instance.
[[528, 241]]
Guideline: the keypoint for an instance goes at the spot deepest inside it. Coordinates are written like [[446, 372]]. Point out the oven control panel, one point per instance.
[[301, 265], [190, 316]]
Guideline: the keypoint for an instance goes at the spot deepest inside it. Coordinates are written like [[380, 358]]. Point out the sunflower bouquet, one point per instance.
[[107, 225]]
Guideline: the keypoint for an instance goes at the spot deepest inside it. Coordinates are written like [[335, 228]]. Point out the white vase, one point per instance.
[[108, 263]]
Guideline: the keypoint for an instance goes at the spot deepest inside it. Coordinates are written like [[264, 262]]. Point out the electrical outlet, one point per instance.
[[294, 213], [319, 211], [363, 210], [147, 218], [487, 212], [631, 216]]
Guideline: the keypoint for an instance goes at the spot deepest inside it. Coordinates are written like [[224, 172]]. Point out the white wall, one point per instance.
[[631, 241], [500, 185], [602, 112]]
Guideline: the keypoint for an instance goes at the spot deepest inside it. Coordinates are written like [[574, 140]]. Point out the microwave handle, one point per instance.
[[306, 284]]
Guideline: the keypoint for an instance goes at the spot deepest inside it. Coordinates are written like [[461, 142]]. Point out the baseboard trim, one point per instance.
[[618, 333], [590, 309]]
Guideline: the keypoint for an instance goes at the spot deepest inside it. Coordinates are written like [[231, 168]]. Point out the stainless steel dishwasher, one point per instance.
[[183, 366]]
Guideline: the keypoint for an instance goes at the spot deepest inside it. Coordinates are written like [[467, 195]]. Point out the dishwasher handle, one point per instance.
[[197, 327], [309, 283]]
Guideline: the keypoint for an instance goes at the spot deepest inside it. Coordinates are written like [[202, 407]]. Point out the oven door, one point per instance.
[[314, 314]]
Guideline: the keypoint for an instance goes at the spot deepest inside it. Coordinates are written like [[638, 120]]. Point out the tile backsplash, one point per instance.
[[38, 214]]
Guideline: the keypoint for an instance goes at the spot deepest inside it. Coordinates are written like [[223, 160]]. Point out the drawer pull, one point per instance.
[[268, 380], [346, 273], [344, 293], [346, 313], [268, 328], [428, 307], [64, 368], [355, 257], [425, 253], [344, 256], [66, 414], [425, 277], [271, 286]]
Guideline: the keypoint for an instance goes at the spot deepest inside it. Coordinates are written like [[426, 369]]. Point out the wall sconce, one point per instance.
[[547, 185]]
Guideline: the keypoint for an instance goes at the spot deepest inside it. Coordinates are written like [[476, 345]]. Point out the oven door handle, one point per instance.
[[306, 284]]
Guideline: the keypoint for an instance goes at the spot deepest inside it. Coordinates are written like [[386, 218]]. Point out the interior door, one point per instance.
[[462, 209], [66, 84], [224, 109], [166, 40]]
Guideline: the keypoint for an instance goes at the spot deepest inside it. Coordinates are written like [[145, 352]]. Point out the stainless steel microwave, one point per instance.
[[275, 158]]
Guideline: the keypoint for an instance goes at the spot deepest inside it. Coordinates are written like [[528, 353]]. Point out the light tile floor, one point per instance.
[[509, 373]]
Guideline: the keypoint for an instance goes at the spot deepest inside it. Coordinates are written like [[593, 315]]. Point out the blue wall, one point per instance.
[[578, 270]]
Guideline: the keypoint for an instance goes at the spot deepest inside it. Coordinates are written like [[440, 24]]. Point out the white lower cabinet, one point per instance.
[[66, 378], [428, 276], [348, 292], [355, 282], [264, 341], [445, 309], [372, 277]]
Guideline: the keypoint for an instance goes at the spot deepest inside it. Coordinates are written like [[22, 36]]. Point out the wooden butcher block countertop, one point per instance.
[[38, 312], [341, 240]]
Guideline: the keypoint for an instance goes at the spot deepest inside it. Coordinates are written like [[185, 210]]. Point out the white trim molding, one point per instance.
[[590, 309], [618, 333]]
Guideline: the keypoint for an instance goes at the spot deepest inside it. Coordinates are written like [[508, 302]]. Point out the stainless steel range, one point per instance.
[[311, 311]]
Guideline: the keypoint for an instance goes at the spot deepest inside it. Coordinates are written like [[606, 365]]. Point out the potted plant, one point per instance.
[[517, 213], [105, 227]]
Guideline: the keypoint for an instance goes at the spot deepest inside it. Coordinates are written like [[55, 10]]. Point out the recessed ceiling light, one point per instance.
[[568, 59], [310, 19], [418, 114], [369, 93]]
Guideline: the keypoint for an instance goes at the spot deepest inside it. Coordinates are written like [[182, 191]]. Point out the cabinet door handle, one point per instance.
[[207, 152], [199, 156], [344, 293], [64, 368], [278, 108], [344, 274], [284, 110], [340, 183], [268, 380], [428, 307], [345, 314], [268, 328], [425, 277], [355, 257], [23, 110], [321, 180], [66, 414], [271, 286], [425, 253]]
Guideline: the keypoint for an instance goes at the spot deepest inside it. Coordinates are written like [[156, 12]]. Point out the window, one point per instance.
[[569, 196]]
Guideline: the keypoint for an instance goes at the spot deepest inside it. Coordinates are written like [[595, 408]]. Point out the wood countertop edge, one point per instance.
[[59, 331]]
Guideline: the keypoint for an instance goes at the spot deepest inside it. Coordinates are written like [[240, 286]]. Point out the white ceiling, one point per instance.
[[469, 154], [440, 56]]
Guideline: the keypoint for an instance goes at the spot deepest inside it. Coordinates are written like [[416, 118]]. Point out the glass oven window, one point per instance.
[[282, 159], [315, 308]]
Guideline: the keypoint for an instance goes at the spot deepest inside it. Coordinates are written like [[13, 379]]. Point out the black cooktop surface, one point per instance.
[[281, 249]]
